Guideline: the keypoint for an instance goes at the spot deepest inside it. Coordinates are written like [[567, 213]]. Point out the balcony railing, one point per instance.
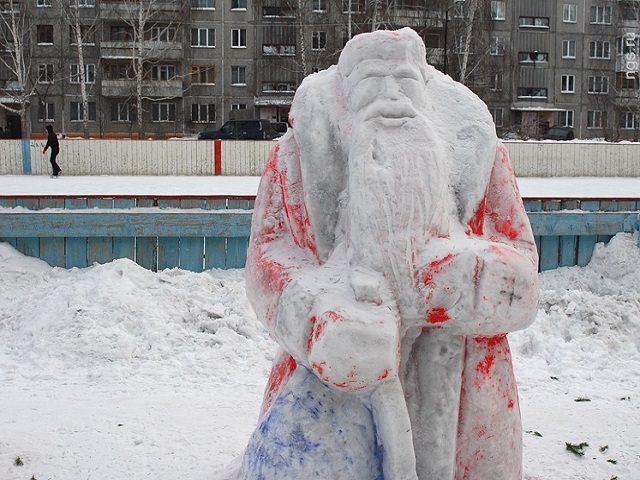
[[151, 49], [155, 89]]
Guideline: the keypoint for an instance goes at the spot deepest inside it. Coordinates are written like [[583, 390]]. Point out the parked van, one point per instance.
[[241, 130]]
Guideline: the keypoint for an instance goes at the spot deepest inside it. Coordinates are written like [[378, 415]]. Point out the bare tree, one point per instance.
[[80, 33], [148, 24], [15, 26]]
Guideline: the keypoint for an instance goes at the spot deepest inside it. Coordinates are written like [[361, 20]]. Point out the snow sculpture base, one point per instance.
[[390, 255]]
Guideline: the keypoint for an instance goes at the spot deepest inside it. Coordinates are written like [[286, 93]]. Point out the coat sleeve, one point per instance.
[[281, 258], [486, 282]]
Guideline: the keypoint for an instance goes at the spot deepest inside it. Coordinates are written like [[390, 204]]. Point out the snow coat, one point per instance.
[[453, 363]]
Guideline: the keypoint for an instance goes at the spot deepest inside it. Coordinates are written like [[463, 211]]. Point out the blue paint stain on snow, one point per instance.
[[311, 431]]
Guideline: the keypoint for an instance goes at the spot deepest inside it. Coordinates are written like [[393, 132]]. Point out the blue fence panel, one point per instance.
[[124, 247], [168, 247], [215, 233]]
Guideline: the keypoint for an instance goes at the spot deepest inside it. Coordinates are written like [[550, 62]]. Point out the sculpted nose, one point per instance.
[[390, 88]]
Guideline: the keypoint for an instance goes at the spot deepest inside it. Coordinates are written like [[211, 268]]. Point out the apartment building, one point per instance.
[[173, 67]]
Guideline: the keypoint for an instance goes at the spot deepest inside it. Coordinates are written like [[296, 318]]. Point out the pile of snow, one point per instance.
[[115, 372], [578, 368]]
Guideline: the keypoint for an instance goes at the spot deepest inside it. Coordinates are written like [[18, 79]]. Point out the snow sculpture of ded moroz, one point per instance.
[[389, 256]]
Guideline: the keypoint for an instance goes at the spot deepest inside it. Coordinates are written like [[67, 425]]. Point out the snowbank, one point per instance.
[[115, 372]]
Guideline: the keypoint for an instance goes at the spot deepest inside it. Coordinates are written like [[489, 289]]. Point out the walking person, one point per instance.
[[52, 141]]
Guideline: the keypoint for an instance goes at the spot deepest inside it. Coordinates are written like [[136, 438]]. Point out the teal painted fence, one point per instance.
[[202, 233]]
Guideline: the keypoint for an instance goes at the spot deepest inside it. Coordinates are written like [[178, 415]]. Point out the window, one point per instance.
[[568, 83], [238, 76], [598, 85], [599, 49], [533, 57], [47, 112], [238, 106], [238, 4], [238, 38], [496, 113], [87, 35], [497, 10], [497, 46], [628, 44], [163, 34], [44, 3], [629, 121], [596, 119], [163, 73], [318, 40], [625, 83], [568, 49], [601, 15], [569, 13], [353, 6], [565, 118], [203, 4], [122, 113], [204, 74], [203, 113], [164, 112], [496, 81], [76, 112], [319, 5], [203, 37], [532, 92], [121, 33], [45, 73], [534, 22], [44, 34], [89, 73]]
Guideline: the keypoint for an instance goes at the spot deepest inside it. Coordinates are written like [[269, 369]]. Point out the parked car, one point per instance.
[[559, 133], [241, 130], [280, 128]]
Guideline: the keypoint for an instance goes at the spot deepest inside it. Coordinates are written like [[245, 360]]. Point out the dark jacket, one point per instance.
[[52, 140]]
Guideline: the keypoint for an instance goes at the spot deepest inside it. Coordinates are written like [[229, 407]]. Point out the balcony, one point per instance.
[[151, 50], [125, 88], [114, 10]]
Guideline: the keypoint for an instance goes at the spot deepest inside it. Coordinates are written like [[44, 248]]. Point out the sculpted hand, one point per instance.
[[479, 287]]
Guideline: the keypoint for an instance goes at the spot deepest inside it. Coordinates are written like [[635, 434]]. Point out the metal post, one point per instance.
[[446, 23]]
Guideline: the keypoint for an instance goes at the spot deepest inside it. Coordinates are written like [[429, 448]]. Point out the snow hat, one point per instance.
[[403, 44]]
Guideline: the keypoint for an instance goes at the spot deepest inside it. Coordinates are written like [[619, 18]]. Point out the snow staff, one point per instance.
[[52, 141], [390, 254]]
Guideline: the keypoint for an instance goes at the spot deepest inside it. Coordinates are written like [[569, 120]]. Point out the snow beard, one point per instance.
[[398, 198]]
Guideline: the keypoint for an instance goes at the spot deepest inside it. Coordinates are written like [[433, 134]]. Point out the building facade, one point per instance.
[[163, 68]]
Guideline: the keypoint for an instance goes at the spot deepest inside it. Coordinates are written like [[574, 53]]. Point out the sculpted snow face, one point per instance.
[[390, 254]]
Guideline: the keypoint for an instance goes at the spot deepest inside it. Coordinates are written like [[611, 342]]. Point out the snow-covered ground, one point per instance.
[[115, 372], [530, 187]]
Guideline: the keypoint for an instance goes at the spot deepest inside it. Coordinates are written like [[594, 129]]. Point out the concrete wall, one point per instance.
[[181, 157]]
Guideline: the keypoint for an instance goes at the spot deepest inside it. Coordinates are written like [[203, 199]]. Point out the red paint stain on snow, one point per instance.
[[318, 368], [384, 374], [318, 326], [476, 223], [434, 268], [280, 373], [273, 276], [484, 366], [437, 315], [510, 404]]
